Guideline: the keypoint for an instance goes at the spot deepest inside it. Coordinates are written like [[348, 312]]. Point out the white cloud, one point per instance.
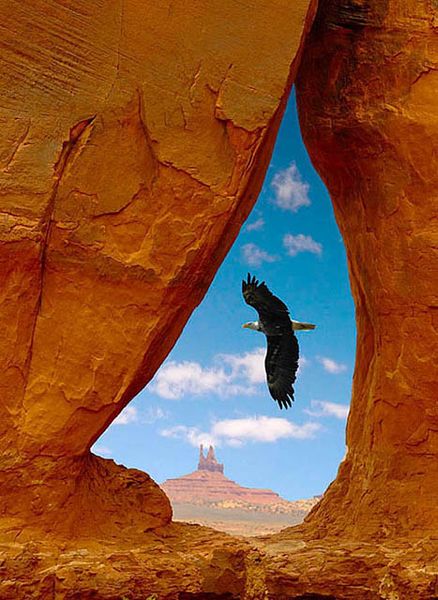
[[175, 380], [192, 435], [291, 192], [295, 244], [153, 414], [102, 451], [127, 416], [328, 409], [235, 432], [262, 429], [256, 225], [250, 365], [130, 415], [255, 256], [230, 375], [331, 366], [303, 362]]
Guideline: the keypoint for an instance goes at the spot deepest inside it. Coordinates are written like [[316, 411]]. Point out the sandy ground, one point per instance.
[[235, 521]]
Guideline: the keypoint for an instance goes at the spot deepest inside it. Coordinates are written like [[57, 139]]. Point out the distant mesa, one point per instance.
[[209, 486]]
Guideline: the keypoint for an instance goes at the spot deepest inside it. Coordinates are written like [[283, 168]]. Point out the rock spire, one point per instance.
[[209, 462]]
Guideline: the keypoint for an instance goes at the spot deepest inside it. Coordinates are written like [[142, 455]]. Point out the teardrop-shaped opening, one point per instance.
[[212, 388]]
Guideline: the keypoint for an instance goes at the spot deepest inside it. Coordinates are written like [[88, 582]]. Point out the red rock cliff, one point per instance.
[[367, 97], [209, 462], [368, 107], [134, 141], [135, 138], [208, 484]]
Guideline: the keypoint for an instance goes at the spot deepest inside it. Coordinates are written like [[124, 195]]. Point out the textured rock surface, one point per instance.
[[176, 562], [135, 137], [347, 570], [133, 145], [369, 113], [209, 461], [367, 95], [188, 562]]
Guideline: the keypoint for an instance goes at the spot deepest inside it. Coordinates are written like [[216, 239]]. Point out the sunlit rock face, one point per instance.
[[135, 138], [367, 100], [368, 109]]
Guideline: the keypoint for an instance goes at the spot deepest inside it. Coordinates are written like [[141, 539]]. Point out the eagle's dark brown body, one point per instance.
[[281, 362]]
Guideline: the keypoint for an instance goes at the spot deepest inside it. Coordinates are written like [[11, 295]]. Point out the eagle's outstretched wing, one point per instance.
[[281, 364], [266, 304]]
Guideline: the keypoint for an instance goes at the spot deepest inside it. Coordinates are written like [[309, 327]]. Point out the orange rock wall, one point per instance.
[[134, 141], [368, 103], [135, 138]]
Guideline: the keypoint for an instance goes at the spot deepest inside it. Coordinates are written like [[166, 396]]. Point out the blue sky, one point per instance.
[[212, 389]]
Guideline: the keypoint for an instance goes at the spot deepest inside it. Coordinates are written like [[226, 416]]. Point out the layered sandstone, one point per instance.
[[208, 484], [134, 140], [367, 97], [208, 497], [202, 487], [135, 137]]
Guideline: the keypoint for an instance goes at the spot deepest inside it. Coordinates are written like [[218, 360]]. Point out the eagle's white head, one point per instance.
[[255, 325]]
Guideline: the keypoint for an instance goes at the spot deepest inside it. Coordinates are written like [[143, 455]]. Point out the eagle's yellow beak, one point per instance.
[[245, 326]]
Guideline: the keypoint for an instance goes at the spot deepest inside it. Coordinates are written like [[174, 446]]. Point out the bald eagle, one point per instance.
[[281, 362]]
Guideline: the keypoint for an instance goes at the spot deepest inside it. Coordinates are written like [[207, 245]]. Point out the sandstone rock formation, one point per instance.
[[177, 562], [134, 140], [208, 484], [368, 107], [209, 462], [208, 497], [135, 137], [367, 96]]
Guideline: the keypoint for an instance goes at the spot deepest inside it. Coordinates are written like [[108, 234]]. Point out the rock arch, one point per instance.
[[84, 245]]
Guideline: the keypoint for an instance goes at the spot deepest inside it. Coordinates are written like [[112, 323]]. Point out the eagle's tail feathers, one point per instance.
[[298, 326]]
